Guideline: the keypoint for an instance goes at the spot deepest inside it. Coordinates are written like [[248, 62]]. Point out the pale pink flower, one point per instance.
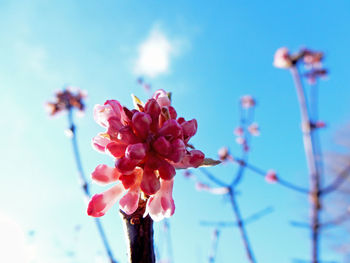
[[147, 143], [254, 129], [161, 204], [271, 177], [126, 188], [282, 58], [247, 101]]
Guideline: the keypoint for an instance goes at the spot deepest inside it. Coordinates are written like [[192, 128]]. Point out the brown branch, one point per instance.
[[139, 235]]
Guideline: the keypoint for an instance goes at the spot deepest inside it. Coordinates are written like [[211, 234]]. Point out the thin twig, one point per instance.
[[214, 246], [252, 218], [85, 185], [280, 181], [338, 181], [340, 219], [211, 177], [241, 227]]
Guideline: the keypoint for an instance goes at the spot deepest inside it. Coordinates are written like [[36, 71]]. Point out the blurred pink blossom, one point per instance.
[[271, 177], [282, 58], [247, 101], [254, 129]]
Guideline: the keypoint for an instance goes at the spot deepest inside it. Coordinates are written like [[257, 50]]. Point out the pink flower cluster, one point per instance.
[[148, 144]]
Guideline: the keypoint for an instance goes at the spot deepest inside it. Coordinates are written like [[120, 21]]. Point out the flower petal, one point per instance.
[[104, 174], [101, 203]]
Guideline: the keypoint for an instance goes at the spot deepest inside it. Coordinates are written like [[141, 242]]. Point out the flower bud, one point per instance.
[[150, 183], [141, 123], [152, 108], [166, 171], [171, 129], [178, 150], [136, 151], [125, 165], [162, 146]]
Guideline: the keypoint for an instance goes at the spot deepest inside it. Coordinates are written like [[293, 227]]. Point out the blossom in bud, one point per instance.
[[161, 96], [238, 131], [271, 177], [148, 144], [282, 58], [254, 129], [224, 154], [66, 100], [320, 124], [240, 140], [247, 101], [312, 58], [314, 74]]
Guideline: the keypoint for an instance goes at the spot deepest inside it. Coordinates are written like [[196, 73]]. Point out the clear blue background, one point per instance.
[[229, 47]]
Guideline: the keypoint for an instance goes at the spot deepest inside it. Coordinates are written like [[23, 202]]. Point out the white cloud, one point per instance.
[[154, 54], [13, 245]]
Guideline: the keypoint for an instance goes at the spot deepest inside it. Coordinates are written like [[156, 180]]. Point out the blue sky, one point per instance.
[[213, 53]]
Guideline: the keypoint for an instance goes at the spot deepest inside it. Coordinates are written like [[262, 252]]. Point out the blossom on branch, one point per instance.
[[282, 58], [148, 144], [67, 99], [271, 177], [247, 101]]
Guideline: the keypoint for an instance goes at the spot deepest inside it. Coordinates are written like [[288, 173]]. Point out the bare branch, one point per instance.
[[338, 181], [252, 218]]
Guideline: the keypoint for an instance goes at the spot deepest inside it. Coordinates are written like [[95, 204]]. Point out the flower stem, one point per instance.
[[85, 185], [139, 235]]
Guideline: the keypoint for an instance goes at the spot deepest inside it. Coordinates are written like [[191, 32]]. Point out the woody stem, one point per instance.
[[139, 235]]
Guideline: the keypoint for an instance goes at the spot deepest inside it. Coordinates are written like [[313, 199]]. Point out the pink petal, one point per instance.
[[99, 143], [116, 149], [104, 174], [101, 203], [130, 201], [102, 113], [162, 98], [161, 204], [117, 108]]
